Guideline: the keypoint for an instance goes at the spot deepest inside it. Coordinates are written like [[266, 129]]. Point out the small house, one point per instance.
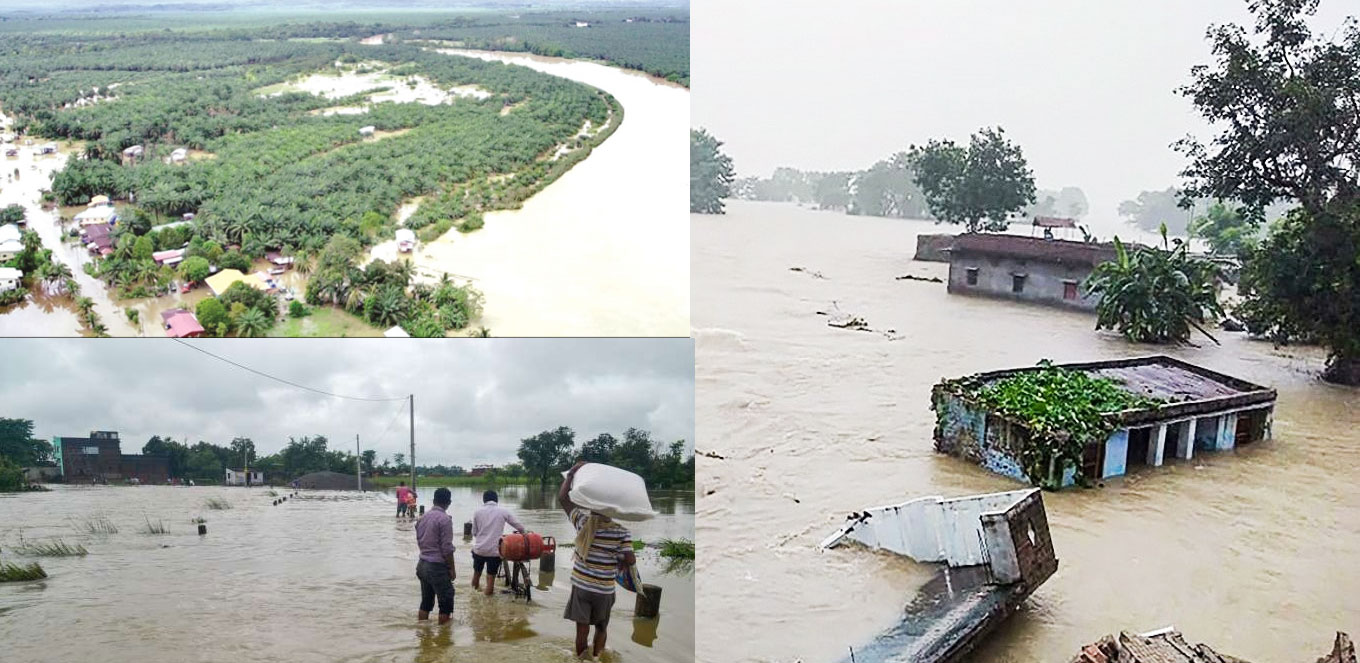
[[47, 148], [10, 279], [99, 459], [187, 216], [480, 470], [179, 155], [169, 257], [1030, 269], [11, 151], [180, 323], [134, 152], [99, 201], [246, 477], [406, 240], [10, 248], [102, 215], [98, 239], [1182, 409], [366, 131]]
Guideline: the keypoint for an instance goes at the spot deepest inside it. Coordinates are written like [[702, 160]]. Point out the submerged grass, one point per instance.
[[20, 572], [677, 548], [53, 548], [95, 525], [158, 527], [217, 504]]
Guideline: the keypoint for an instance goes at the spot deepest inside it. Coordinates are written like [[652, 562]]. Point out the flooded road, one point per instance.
[[1250, 551], [604, 250], [326, 576]]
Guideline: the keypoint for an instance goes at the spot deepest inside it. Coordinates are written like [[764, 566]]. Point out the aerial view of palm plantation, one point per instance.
[[344, 169]]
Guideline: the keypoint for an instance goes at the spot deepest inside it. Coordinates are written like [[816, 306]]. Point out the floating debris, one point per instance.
[[1168, 646], [813, 273], [913, 277]]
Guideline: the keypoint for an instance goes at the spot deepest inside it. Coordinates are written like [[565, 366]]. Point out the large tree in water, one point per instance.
[[979, 185], [710, 173], [1287, 108]]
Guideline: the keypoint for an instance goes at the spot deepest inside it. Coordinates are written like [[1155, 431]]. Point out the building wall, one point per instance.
[[1116, 454], [1044, 281], [931, 248], [146, 469]]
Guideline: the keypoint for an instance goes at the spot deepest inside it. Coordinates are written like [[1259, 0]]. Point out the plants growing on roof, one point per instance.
[[1062, 411]]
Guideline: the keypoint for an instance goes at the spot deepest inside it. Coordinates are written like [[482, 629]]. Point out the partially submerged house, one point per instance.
[[134, 152], [170, 257], [180, 323], [99, 201], [99, 459], [1169, 646], [1184, 409], [98, 239], [1031, 269], [224, 279], [10, 279], [995, 550], [11, 243], [179, 155], [406, 240], [47, 148], [366, 131], [244, 477], [97, 215]]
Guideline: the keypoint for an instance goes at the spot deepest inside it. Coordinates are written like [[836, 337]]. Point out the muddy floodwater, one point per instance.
[[326, 576], [602, 251], [1251, 551]]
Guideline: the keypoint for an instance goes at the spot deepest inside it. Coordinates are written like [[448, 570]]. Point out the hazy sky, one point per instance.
[[1085, 87], [474, 399]]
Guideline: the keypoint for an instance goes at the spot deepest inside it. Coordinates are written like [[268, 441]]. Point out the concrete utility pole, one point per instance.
[[358, 471], [413, 441]]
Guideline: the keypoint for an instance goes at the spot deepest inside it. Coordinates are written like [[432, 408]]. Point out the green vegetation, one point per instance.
[[12, 214], [53, 548], [978, 186], [95, 525], [157, 527], [660, 465], [1155, 294], [216, 504], [19, 572], [1226, 230], [1062, 410], [654, 41], [1285, 109], [19, 449], [677, 548], [710, 173]]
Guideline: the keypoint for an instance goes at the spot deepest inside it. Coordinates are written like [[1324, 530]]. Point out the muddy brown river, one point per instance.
[[1251, 551], [327, 576]]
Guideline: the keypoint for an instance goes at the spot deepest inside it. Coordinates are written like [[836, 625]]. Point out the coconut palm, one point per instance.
[[1155, 295], [252, 323]]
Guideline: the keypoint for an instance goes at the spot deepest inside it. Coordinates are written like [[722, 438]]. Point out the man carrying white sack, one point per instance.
[[603, 546]]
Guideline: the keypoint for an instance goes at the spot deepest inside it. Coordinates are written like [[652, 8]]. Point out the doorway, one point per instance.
[[1139, 438]]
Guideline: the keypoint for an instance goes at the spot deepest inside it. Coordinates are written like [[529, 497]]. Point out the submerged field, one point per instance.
[[326, 576]]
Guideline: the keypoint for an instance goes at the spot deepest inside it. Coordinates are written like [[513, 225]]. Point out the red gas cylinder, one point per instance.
[[521, 547]]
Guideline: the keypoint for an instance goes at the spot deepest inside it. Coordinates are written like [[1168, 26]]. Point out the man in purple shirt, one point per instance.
[[488, 523], [434, 535]]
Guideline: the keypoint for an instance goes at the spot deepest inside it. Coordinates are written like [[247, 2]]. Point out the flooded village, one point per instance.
[[280, 547]]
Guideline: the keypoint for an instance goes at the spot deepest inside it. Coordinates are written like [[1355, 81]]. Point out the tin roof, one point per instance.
[[1054, 222]]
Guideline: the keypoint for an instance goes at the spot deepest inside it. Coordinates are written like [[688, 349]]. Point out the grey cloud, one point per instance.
[[474, 399]]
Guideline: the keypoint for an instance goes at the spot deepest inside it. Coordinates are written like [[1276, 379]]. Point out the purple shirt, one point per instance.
[[434, 535], [488, 523]]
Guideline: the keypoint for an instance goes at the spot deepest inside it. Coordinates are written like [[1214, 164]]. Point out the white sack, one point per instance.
[[608, 490]]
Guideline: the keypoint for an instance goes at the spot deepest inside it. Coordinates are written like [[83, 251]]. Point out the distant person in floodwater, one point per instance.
[[402, 493], [602, 547], [434, 535], [488, 524]]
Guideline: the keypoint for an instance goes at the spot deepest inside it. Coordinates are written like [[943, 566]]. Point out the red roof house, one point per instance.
[[180, 323]]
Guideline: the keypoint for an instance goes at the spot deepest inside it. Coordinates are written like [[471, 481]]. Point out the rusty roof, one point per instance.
[[1032, 248], [1054, 222]]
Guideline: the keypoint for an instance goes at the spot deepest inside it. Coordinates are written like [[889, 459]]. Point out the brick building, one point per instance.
[[99, 459]]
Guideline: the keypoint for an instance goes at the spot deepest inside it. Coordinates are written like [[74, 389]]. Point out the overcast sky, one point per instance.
[[474, 400], [1086, 88]]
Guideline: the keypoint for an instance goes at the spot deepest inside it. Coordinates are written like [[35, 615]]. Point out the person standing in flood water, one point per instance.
[[434, 535], [402, 493], [602, 547], [488, 523]]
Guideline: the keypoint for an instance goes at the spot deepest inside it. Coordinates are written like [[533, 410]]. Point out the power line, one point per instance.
[[287, 382]]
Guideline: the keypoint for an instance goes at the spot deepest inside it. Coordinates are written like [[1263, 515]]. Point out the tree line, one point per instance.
[[660, 464]]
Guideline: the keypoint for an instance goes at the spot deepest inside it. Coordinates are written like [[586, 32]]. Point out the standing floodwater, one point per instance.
[[1249, 550], [325, 576]]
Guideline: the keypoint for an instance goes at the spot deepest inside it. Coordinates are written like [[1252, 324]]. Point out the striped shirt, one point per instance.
[[596, 572]]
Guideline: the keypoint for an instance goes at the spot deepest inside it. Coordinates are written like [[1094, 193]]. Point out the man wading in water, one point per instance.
[[601, 547], [402, 493], [434, 534], [488, 523]]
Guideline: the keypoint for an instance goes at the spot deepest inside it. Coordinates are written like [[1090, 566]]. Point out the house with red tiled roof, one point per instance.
[[180, 323]]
